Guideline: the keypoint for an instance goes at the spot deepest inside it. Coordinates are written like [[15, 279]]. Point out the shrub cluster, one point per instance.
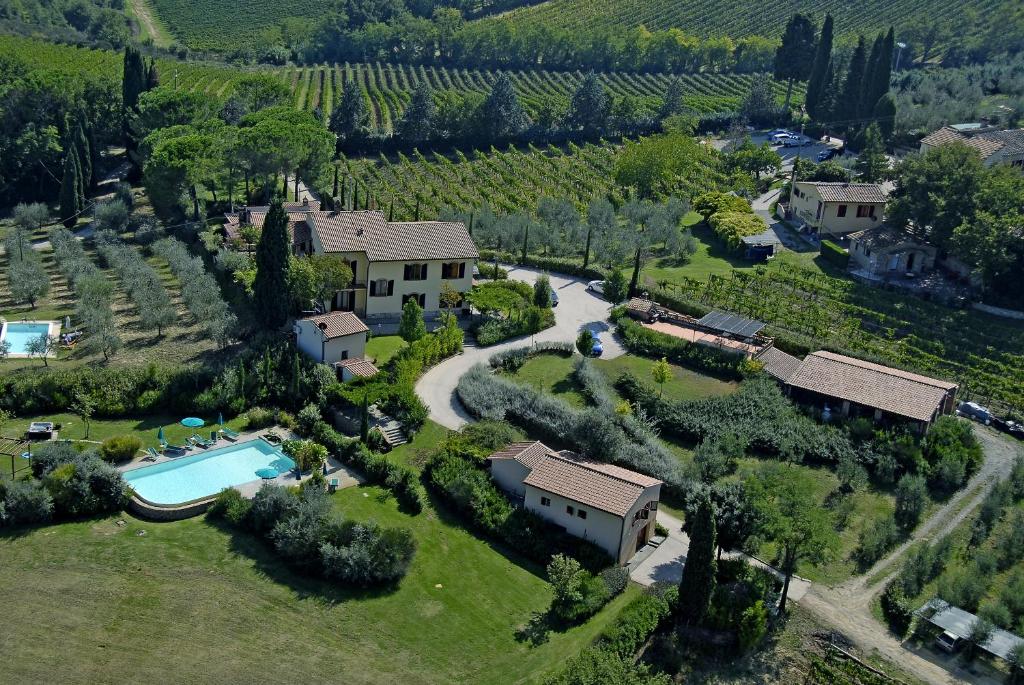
[[952, 452], [513, 360], [594, 432], [610, 658], [120, 448], [648, 342], [461, 481], [578, 593], [401, 480], [302, 530], [68, 484], [758, 414]]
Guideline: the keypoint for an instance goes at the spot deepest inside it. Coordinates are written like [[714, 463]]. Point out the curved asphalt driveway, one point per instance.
[[577, 309]]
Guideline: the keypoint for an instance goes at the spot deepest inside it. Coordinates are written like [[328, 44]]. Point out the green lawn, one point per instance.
[[416, 452], [381, 348], [72, 427], [93, 602], [553, 374]]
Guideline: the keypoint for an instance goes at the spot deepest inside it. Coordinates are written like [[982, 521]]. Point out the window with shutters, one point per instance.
[[451, 270], [418, 298], [415, 272], [865, 211], [382, 287]]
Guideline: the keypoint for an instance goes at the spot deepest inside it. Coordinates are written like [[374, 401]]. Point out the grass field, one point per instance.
[[140, 601], [553, 374]]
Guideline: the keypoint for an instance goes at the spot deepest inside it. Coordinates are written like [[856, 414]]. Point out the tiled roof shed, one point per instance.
[[778, 364], [358, 367], [526, 453], [894, 391], [338, 324], [869, 193]]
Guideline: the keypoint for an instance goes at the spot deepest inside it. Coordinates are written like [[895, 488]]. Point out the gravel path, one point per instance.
[[847, 607], [577, 309]]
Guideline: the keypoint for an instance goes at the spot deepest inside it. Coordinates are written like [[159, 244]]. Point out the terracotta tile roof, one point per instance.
[[338, 324], [1012, 139], [640, 305], [847, 192], [526, 453], [382, 241], [777, 363], [358, 367], [595, 484], [942, 136], [872, 385]]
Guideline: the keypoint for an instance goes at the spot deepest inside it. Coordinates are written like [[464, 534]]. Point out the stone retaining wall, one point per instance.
[[155, 512]]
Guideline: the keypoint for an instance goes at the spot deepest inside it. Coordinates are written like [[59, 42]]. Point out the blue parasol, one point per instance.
[[220, 419], [193, 422], [267, 473], [160, 434]]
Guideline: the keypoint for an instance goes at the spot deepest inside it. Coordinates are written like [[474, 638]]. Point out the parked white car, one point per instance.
[[596, 287]]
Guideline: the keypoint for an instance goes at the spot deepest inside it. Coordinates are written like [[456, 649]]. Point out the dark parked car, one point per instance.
[[1010, 427], [828, 154], [973, 410]]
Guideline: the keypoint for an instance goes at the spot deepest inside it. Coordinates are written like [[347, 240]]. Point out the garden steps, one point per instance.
[[389, 427]]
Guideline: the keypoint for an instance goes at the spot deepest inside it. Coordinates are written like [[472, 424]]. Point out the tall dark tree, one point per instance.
[[85, 156], [879, 76], [417, 123], [350, 120], [795, 56], [502, 113], [867, 87], [822, 56], [133, 84], [69, 185], [590, 107], [94, 152], [673, 102], [849, 101], [698, 583], [152, 75], [270, 289], [884, 114]]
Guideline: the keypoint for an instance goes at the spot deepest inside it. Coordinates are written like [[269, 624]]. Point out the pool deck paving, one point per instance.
[[346, 477]]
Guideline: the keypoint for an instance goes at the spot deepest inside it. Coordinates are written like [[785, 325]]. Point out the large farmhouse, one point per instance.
[[613, 507], [392, 262], [853, 387]]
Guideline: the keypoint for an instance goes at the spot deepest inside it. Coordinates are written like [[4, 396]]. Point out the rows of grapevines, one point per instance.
[[737, 17], [420, 185], [988, 363], [387, 87]]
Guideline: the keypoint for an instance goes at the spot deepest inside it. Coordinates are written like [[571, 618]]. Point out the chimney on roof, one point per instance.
[[359, 231], [305, 202]]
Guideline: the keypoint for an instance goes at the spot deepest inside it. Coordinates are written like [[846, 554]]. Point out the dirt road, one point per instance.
[[847, 607]]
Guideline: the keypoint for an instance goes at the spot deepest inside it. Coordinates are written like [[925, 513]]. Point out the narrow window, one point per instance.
[[841, 211], [569, 510], [545, 502], [581, 513]]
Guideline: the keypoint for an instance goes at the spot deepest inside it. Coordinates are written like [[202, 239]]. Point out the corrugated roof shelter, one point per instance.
[[734, 324], [959, 622]]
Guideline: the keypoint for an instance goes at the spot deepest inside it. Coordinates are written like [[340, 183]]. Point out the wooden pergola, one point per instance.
[[13, 448]]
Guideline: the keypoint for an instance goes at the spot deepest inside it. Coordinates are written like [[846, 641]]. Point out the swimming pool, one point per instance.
[[19, 334], [205, 474]]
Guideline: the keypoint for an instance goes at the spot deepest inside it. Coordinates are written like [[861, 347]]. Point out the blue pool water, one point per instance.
[[19, 335], [206, 473]]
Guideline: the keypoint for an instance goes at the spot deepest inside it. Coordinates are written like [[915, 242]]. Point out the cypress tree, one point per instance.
[[794, 57], [849, 101], [85, 157], [152, 76], [69, 189], [698, 583], [822, 56], [884, 115], [867, 88], [830, 87], [881, 76], [270, 289], [502, 113], [133, 82], [673, 102], [94, 152]]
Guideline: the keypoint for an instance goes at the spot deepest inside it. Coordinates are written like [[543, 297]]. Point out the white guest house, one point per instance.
[[391, 261], [613, 507]]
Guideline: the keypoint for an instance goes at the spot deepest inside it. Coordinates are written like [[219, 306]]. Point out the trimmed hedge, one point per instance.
[[560, 265], [833, 253], [648, 342]]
